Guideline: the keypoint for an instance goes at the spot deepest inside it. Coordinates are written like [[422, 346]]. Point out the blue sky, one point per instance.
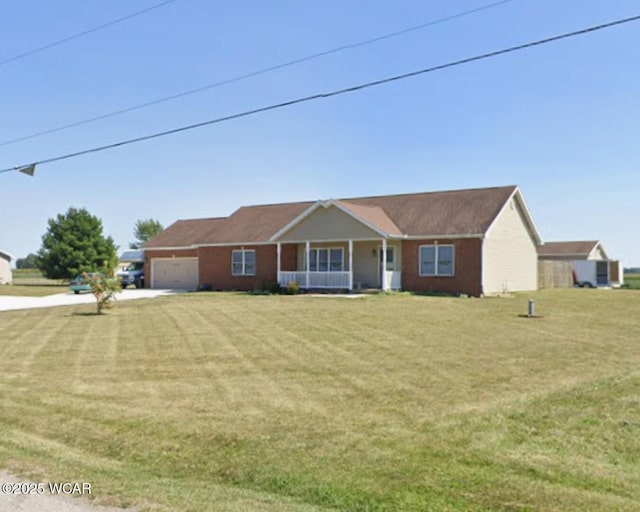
[[559, 120]]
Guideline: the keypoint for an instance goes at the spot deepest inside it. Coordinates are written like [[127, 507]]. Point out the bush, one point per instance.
[[293, 288], [103, 288], [267, 288]]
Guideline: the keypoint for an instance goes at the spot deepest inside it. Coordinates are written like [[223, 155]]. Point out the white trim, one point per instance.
[[361, 220], [328, 249], [435, 267], [315, 241], [350, 264], [307, 264], [325, 204], [11, 256], [439, 237], [394, 247], [383, 270], [242, 250], [527, 215], [278, 255]]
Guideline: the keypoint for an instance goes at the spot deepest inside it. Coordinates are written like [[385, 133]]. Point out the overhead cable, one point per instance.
[[31, 165], [252, 74]]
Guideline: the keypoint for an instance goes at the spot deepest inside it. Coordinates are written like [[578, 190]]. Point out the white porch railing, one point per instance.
[[316, 279], [393, 279]]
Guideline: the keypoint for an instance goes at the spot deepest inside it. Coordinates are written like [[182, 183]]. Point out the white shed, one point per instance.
[[5, 267]]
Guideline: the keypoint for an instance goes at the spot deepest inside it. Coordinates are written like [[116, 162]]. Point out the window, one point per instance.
[[243, 263], [436, 260], [326, 260]]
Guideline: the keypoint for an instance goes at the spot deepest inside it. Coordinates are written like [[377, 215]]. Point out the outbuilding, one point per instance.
[[5, 267]]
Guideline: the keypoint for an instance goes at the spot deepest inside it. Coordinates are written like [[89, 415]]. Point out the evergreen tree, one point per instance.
[[73, 244]]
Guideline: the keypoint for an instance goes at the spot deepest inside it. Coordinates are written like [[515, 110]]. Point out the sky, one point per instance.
[[560, 120]]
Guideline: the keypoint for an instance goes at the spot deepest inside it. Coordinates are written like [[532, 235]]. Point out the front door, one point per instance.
[[391, 262]]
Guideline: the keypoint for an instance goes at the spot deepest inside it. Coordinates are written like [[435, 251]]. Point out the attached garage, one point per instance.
[[180, 273]]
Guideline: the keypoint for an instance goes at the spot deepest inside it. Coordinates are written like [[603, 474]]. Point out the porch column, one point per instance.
[[278, 252], [308, 262], [350, 265], [384, 265]]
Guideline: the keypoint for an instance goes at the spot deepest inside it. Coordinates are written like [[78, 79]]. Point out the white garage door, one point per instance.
[[174, 273]]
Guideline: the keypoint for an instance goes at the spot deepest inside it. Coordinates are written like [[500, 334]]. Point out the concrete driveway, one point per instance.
[[9, 303]]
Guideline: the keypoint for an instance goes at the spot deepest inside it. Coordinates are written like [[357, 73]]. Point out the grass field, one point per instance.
[[238, 403], [30, 282], [632, 280], [32, 290]]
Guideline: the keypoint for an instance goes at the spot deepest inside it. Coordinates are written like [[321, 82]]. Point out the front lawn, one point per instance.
[[387, 403], [28, 290]]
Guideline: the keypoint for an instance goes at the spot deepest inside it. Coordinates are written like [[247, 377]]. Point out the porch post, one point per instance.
[[384, 265], [308, 262], [350, 265], [278, 252]]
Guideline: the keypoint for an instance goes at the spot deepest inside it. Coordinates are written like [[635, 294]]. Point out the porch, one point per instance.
[[342, 265]]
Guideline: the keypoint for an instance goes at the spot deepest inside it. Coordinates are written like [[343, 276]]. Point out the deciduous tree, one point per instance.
[[145, 230]]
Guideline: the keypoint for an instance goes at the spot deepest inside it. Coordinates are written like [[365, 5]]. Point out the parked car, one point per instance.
[[79, 283], [133, 274]]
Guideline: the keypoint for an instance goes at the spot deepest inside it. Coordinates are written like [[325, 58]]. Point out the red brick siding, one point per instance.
[[289, 257], [467, 276], [214, 266], [169, 253]]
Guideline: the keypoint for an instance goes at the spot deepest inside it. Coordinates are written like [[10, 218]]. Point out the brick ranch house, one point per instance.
[[475, 241]]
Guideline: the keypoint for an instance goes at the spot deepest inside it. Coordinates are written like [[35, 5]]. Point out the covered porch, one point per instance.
[[340, 246], [342, 265]]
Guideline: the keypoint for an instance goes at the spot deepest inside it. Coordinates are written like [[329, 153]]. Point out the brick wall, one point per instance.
[[467, 276], [214, 266]]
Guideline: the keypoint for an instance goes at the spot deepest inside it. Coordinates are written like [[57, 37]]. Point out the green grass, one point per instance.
[[29, 282], [385, 403], [632, 281], [32, 290]]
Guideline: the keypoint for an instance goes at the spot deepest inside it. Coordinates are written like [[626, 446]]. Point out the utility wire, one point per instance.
[[28, 168], [255, 73], [83, 33]]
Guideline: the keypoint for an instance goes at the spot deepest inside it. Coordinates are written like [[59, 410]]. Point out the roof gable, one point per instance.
[[569, 248], [330, 220]]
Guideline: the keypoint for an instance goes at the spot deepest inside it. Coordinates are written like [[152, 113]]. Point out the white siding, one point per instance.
[[597, 254], [5, 270], [509, 255], [328, 224]]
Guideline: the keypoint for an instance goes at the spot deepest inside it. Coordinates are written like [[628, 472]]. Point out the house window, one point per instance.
[[436, 260], [243, 263], [326, 260]]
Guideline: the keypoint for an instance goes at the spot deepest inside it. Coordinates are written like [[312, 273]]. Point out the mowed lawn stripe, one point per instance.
[[382, 403]]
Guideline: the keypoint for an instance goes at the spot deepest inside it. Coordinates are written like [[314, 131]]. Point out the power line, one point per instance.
[[83, 33], [255, 73], [29, 168]]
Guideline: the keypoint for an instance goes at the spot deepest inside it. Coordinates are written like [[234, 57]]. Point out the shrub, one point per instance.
[[103, 288], [267, 287], [293, 288]]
